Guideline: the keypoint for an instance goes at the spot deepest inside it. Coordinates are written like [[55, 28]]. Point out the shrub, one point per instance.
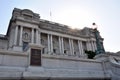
[[90, 54]]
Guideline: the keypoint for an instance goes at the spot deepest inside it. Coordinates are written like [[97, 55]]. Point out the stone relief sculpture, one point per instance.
[[26, 37], [26, 40]]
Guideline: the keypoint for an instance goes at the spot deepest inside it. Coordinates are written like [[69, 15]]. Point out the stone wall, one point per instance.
[[16, 65], [3, 44]]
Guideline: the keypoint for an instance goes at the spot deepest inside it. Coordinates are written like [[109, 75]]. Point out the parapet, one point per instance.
[[25, 13]]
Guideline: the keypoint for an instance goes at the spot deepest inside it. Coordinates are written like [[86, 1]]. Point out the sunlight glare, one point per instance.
[[75, 18]]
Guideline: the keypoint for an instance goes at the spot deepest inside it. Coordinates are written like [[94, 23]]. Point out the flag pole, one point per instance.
[[50, 15]]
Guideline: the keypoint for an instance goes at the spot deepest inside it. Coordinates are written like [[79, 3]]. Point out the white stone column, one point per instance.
[[40, 38], [92, 45], [88, 46], [32, 38], [21, 31], [60, 45], [79, 46], [95, 45], [87, 43], [93, 49], [37, 37], [70, 46], [16, 34], [51, 43], [48, 43]]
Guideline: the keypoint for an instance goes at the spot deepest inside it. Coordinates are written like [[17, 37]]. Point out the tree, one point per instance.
[[90, 54]]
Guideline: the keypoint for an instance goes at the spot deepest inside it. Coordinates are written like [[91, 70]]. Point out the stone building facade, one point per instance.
[[26, 27], [34, 48]]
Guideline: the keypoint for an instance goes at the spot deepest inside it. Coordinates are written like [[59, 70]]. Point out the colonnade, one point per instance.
[[36, 39], [91, 45]]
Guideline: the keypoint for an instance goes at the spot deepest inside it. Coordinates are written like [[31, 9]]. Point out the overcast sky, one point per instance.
[[74, 13]]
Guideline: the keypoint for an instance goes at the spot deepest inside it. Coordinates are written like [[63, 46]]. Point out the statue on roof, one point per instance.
[[99, 44]]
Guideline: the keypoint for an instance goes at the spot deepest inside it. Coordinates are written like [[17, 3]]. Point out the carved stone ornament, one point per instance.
[[26, 37]]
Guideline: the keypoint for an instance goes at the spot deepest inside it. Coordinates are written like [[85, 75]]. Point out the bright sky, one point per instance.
[[75, 13]]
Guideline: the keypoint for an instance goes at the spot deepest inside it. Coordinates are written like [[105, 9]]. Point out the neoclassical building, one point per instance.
[[26, 27], [34, 48]]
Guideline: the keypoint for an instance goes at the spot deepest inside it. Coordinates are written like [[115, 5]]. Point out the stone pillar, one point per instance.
[[40, 38], [48, 43], [51, 43], [70, 46], [37, 37], [32, 40], [88, 46], [93, 49], [81, 46], [92, 45], [16, 34], [60, 46], [21, 31], [95, 45]]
